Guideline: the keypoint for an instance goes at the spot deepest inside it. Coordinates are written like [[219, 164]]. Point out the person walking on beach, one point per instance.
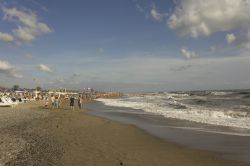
[[80, 102], [72, 102]]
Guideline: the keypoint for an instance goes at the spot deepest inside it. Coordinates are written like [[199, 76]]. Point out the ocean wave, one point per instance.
[[220, 93], [177, 95], [212, 116]]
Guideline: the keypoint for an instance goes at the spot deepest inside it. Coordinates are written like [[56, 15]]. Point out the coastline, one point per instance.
[[66, 137]]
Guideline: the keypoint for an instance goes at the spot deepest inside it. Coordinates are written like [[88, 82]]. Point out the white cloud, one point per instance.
[[156, 15], [188, 54], [29, 27], [5, 65], [24, 34], [15, 74], [230, 38], [240, 40], [44, 68], [6, 37], [202, 18], [8, 70]]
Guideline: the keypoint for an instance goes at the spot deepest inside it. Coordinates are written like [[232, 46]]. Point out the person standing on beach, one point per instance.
[[53, 101], [57, 102], [46, 102], [72, 102], [80, 102]]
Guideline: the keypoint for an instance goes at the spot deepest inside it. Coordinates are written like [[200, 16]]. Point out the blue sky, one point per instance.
[[126, 45]]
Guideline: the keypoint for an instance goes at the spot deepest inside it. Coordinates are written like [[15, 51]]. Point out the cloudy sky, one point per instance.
[[127, 45]]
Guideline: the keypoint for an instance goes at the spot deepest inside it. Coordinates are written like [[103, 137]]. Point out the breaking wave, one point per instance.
[[172, 106]]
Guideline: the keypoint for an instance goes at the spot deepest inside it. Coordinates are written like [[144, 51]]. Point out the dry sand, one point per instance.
[[33, 135]]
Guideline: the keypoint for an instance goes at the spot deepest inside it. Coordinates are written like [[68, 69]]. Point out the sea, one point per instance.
[[216, 121]]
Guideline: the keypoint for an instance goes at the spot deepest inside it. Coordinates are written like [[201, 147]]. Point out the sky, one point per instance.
[[125, 45]]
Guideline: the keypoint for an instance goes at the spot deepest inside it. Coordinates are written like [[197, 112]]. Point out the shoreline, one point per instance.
[[215, 139], [66, 137]]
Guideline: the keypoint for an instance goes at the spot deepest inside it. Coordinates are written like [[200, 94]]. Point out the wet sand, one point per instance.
[[33, 135]]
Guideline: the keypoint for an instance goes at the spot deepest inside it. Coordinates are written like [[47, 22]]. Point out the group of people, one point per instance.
[[57, 101], [79, 102]]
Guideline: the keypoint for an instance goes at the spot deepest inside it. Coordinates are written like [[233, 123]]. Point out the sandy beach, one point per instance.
[[33, 135]]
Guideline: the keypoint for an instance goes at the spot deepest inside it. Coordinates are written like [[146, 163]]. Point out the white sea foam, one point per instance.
[[163, 105], [178, 94], [218, 93]]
